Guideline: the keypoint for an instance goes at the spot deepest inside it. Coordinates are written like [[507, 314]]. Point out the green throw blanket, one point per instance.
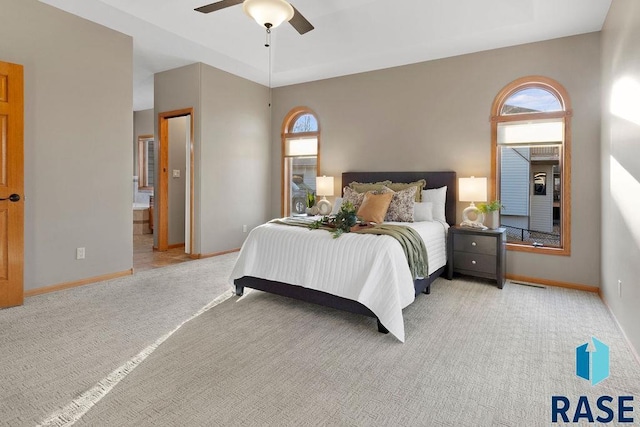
[[411, 242]]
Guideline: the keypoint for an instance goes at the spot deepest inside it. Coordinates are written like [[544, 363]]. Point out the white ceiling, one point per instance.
[[350, 36]]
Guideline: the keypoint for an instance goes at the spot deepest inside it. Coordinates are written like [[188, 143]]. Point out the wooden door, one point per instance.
[[11, 184]]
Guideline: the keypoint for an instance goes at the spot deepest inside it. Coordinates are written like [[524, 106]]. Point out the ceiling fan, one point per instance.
[[267, 13]]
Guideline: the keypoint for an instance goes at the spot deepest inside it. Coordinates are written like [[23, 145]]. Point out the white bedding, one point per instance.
[[367, 268]]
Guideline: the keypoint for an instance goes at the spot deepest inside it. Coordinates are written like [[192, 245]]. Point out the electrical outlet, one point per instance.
[[244, 228], [80, 253], [620, 288]]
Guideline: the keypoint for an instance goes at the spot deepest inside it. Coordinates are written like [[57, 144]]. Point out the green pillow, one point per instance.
[[369, 186]]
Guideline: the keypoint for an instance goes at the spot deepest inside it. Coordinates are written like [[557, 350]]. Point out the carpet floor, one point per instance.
[[474, 356], [58, 345]]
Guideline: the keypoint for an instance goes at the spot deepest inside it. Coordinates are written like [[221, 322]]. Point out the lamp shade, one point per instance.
[[472, 189], [268, 13], [324, 185]]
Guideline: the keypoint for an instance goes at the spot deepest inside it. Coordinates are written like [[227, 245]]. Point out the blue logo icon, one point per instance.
[[592, 364]]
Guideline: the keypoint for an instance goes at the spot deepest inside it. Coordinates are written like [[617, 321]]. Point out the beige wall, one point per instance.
[[435, 116], [235, 158], [621, 165], [231, 150], [178, 140], [78, 127]]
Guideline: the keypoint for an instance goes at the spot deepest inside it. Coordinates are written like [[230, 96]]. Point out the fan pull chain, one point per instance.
[[267, 42], [268, 46]]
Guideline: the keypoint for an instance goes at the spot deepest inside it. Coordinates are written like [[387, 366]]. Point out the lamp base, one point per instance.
[[324, 206], [472, 212]]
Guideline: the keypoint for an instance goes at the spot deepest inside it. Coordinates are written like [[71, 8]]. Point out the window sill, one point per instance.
[[543, 250]]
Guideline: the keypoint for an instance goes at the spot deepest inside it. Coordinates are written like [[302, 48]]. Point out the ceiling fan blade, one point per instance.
[[299, 22], [217, 6]]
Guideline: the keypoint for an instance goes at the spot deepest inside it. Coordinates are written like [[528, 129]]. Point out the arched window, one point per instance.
[[300, 159], [531, 167]]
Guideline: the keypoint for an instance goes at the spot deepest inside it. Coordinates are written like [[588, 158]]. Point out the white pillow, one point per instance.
[[336, 206], [437, 196], [423, 211]]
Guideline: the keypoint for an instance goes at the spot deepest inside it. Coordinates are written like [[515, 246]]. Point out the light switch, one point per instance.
[[176, 173]]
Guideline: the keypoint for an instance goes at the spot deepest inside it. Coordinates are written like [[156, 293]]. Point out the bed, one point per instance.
[[373, 280]]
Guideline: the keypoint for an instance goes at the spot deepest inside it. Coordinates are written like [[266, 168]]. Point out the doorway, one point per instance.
[[175, 185]]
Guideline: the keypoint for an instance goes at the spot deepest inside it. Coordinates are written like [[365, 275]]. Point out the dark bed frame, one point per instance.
[[434, 180]]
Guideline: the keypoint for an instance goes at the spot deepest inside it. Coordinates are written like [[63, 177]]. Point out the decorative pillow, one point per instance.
[[364, 187], [374, 206], [401, 207], [420, 184], [352, 196], [437, 196], [423, 211], [336, 206]]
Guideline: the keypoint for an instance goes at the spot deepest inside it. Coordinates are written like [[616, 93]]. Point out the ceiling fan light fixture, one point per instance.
[[268, 13]]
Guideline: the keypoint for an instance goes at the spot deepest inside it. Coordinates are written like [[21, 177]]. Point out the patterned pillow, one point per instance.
[[420, 184], [352, 196], [401, 207]]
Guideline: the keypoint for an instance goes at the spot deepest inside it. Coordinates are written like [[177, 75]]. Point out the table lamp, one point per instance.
[[472, 190], [324, 188]]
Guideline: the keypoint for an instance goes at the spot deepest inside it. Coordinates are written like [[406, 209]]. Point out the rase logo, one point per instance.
[[592, 364]]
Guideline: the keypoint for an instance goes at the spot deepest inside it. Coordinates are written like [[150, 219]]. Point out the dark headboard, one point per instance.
[[434, 180]]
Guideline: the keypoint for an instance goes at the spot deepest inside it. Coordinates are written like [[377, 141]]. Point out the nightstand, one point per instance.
[[479, 253]]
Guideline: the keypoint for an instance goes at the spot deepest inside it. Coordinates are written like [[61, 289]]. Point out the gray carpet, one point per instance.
[[61, 344], [474, 356]]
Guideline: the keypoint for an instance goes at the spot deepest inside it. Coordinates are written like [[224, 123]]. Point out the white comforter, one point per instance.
[[367, 268]]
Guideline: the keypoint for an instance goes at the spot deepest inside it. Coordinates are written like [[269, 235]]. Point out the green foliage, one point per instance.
[[490, 206], [340, 222], [311, 199]]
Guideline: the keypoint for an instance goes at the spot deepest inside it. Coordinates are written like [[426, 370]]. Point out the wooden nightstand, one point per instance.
[[479, 253]]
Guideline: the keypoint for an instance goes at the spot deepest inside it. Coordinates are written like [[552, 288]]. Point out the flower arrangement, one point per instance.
[[340, 222]]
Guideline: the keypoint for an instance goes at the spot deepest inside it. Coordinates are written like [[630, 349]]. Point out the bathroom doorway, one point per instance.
[[173, 201]]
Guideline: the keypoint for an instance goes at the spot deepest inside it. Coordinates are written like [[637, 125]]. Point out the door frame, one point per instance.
[[162, 188]]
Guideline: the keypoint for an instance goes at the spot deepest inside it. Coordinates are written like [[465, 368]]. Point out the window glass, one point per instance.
[[305, 123], [299, 160], [301, 174], [530, 213], [531, 100]]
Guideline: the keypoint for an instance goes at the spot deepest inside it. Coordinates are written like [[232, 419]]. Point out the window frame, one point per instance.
[[287, 132], [562, 95], [143, 162]]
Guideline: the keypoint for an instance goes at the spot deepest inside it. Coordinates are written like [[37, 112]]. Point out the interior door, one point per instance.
[[11, 184]]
